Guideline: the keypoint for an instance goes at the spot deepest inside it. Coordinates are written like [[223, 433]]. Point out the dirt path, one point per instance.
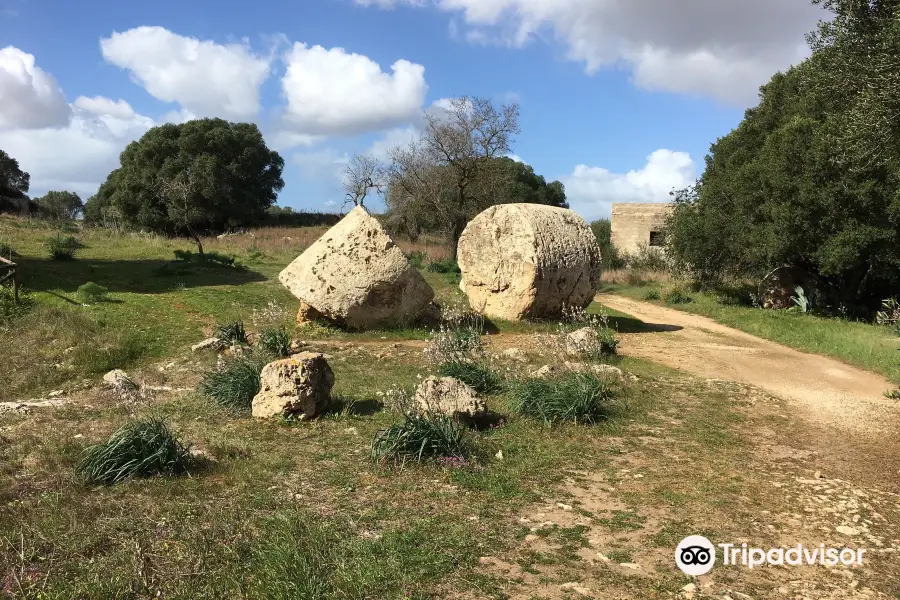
[[844, 409], [828, 391]]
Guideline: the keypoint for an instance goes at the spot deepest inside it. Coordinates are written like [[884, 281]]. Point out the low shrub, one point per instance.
[[893, 394], [652, 295], [233, 333], [647, 259], [235, 383], [276, 341], [443, 266], [889, 316], [476, 375], [142, 448], [676, 294], [421, 438], [62, 247], [568, 397], [91, 293], [417, 258]]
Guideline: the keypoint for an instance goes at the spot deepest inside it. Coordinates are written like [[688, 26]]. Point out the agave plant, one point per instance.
[[801, 300]]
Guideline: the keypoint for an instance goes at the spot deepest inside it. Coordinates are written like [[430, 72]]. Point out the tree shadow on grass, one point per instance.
[[357, 407], [132, 276]]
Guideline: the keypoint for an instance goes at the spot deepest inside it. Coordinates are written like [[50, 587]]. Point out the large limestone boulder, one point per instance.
[[356, 276], [296, 386], [450, 397], [527, 261]]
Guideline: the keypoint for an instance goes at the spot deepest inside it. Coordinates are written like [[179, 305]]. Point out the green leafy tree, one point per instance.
[[14, 183], [602, 229], [201, 176], [811, 176], [60, 205]]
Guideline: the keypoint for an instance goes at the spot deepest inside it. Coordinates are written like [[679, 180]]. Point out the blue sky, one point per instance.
[[619, 99]]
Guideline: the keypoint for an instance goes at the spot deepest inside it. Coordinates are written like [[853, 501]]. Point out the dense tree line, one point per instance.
[[811, 176]]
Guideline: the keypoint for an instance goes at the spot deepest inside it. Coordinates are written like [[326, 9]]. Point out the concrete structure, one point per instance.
[[634, 225]]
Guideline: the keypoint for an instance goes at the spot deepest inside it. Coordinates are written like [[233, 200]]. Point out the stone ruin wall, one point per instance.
[[632, 224]]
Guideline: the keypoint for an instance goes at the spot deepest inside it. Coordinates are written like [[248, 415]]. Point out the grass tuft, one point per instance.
[[478, 376], [142, 448], [91, 293], [234, 385], [276, 341], [421, 438], [233, 333], [568, 397]]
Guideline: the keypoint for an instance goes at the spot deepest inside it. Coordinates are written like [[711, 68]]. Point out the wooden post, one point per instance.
[[12, 273]]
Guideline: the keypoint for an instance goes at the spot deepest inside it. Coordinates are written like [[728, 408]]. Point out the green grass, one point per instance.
[[234, 385], [276, 341], [568, 397], [476, 375], [421, 438], [141, 448], [864, 345], [91, 293]]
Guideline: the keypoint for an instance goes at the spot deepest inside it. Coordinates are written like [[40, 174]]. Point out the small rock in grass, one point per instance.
[[206, 344], [300, 385], [450, 397], [515, 354]]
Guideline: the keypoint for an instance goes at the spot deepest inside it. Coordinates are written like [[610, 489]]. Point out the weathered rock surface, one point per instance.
[[296, 386], [600, 370], [527, 261], [356, 276], [208, 343], [583, 341], [119, 379], [450, 397]]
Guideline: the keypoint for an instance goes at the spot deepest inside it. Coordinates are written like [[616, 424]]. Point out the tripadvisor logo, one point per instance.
[[696, 555]]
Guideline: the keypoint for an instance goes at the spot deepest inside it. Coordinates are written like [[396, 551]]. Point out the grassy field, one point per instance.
[[280, 509], [864, 345]]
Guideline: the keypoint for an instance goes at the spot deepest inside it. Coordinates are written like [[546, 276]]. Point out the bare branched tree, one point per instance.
[[443, 179], [362, 175]]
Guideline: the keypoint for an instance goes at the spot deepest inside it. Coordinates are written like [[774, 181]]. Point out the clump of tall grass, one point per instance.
[[234, 384], [91, 293], [62, 247], [233, 333], [477, 375], [421, 438], [141, 448], [276, 341], [567, 397]]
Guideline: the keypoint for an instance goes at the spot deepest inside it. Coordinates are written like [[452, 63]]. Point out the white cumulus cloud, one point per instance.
[[79, 156], [591, 190], [30, 98], [206, 78], [333, 92], [724, 49]]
